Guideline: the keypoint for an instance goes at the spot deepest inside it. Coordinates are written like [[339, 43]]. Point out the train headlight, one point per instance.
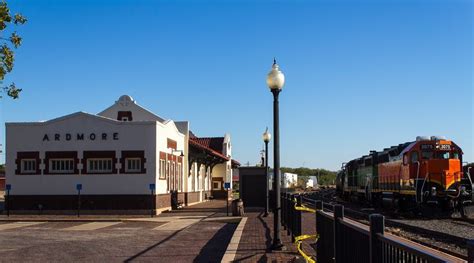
[[433, 191]]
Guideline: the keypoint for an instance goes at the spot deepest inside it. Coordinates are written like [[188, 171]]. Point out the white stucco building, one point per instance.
[[123, 158]]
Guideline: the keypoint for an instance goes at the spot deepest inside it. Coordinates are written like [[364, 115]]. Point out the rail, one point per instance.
[[341, 239]]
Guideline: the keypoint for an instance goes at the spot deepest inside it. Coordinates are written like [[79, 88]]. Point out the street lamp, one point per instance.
[[275, 81], [266, 139]]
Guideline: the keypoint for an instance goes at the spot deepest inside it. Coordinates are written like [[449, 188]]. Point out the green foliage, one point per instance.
[[325, 177], [7, 56]]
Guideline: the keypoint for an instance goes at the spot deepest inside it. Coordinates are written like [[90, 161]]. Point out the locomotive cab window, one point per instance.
[[456, 155], [442, 155], [426, 155], [414, 157], [405, 159]]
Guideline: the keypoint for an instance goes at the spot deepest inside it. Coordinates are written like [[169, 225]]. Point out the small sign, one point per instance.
[[8, 187], [152, 187], [226, 185], [78, 187]]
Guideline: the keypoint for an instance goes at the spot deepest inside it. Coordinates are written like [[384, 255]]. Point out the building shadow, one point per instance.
[[215, 248]]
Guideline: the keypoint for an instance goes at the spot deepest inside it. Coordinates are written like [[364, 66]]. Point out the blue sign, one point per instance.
[[78, 187], [152, 187], [8, 187], [226, 185]]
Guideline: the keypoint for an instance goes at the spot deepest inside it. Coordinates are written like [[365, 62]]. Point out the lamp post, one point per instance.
[[275, 81], [266, 139]]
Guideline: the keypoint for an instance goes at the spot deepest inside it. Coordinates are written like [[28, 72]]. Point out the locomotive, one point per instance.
[[423, 173]]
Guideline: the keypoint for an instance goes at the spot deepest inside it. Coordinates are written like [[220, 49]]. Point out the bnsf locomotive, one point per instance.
[[423, 173]]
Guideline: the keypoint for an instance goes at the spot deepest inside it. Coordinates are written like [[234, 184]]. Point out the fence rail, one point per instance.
[[341, 239]]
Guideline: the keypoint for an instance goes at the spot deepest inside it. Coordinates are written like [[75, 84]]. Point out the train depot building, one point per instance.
[[124, 159]]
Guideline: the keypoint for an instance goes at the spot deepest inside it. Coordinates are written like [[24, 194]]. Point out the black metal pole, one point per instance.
[[151, 203], [266, 179], [277, 245], [8, 203], [78, 203], [227, 200]]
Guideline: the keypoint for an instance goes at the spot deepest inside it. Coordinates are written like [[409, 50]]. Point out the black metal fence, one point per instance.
[[345, 240]]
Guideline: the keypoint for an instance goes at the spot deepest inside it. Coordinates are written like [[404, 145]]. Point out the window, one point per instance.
[[426, 155], [168, 175], [216, 185], [405, 159], [180, 179], [133, 165], [162, 169], [414, 157], [455, 155], [172, 177], [99, 165], [61, 166], [28, 166], [442, 155], [124, 118]]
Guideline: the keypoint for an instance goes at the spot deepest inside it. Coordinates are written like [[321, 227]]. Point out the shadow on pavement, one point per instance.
[[268, 235], [215, 248], [130, 259]]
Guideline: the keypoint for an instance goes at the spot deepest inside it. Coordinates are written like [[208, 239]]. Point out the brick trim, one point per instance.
[[27, 155], [60, 155], [171, 144], [133, 154], [98, 154], [90, 202]]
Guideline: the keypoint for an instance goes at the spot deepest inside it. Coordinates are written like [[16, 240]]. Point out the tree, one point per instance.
[[7, 56]]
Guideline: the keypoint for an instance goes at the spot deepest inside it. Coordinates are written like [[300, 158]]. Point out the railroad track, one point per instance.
[[446, 242]]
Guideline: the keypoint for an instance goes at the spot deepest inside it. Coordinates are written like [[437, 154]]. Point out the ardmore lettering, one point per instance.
[[80, 136]]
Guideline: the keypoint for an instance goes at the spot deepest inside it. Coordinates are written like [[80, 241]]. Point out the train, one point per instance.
[[425, 173]]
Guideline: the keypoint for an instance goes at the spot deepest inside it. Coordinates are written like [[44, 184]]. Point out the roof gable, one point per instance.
[[127, 103]]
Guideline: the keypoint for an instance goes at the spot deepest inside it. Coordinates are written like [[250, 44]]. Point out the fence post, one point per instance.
[[319, 206], [377, 226], [470, 251], [293, 218], [299, 216], [283, 210], [288, 214], [284, 218], [338, 214]]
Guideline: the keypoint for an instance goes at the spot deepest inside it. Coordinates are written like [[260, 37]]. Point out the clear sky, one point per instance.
[[361, 75]]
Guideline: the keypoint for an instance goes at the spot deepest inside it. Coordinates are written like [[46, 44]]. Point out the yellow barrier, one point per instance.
[[299, 239]]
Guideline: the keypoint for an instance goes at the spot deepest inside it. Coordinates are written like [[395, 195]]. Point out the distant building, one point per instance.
[[312, 182], [288, 180]]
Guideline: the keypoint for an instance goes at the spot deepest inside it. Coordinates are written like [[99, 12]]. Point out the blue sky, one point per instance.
[[361, 75]]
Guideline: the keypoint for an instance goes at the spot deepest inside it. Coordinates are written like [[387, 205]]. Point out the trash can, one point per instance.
[[238, 207]]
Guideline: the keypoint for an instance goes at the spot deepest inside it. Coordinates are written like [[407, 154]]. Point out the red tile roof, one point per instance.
[[214, 143], [204, 144], [235, 163]]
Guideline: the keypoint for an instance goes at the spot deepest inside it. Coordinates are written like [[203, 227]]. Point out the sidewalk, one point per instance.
[[198, 233], [256, 240]]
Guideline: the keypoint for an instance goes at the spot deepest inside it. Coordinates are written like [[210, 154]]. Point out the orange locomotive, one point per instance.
[[427, 171]]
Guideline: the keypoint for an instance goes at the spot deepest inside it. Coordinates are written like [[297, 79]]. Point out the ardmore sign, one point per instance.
[[81, 137]]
